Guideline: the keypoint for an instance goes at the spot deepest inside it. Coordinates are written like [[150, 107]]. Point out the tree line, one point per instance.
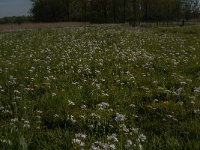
[[115, 11], [16, 20]]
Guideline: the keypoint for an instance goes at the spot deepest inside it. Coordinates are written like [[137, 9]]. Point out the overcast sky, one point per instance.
[[14, 7]]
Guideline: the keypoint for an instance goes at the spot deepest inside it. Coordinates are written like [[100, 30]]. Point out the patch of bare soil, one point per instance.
[[25, 26]]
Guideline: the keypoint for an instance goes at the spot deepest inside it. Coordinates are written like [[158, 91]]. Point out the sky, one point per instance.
[[14, 7]]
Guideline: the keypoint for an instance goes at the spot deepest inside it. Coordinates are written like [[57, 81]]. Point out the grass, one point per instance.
[[104, 86]]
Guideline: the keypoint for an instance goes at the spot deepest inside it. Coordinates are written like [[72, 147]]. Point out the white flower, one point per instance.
[[26, 126], [105, 146], [103, 105], [91, 126], [98, 145], [83, 107], [132, 105], [123, 127], [56, 115], [95, 148], [142, 138], [26, 122], [140, 146], [112, 137], [135, 130], [197, 90], [180, 103], [53, 94], [6, 141], [14, 120], [128, 144], [196, 111], [179, 90], [155, 100], [78, 142], [71, 103], [71, 118], [183, 83], [119, 117], [80, 135], [16, 92], [95, 115], [112, 146], [39, 111]]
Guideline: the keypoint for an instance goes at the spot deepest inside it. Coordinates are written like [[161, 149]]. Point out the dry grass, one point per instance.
[[16, 27]]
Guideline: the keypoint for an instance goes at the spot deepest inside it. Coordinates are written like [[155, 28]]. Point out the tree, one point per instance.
[[114, 11], [50, 10]]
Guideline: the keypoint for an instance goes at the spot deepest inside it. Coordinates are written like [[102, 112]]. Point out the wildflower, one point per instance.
[[91, 126], [135, 130], [1, 108], [72, 119], [102, 146], [39, 111], [53, 94], [56, 115], [110, 110], [136, 116], [16, 92], [179, 90], [119, 117], [132, 105], [103, 105], [124, 128], [83, 107], [26, 122], [128, 144], [142, 138], [6, 141], [82, 116], [197, 90], [105, 94], [112, 146], [196, 111], [71, 103], [155, 100], [80, 135], [140, 146], [14, 120], [180, 103], [78, 142], [112, 137], [26, 126], [183, 83], [95, 115]]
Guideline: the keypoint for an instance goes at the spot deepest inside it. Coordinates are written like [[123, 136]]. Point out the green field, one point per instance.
[[100, 87]]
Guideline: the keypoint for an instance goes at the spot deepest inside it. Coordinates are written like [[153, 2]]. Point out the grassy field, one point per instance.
[[29, 26], [100, 87]]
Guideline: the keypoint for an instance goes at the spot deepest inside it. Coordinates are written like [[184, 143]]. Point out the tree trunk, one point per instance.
[[124, 11]]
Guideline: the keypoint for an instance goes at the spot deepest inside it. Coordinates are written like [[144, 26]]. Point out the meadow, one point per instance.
[[101, 87]]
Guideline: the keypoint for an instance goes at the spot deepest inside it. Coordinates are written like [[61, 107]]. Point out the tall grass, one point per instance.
[[100, 87]]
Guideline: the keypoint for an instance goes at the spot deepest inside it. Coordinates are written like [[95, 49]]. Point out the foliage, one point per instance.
[[104, 11], [50, 10], [15, 20]]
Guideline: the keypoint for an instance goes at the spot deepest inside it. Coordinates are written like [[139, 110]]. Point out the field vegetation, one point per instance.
[[100, 87]]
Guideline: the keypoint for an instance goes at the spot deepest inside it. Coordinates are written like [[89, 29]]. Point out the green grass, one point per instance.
[[119, 87]]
